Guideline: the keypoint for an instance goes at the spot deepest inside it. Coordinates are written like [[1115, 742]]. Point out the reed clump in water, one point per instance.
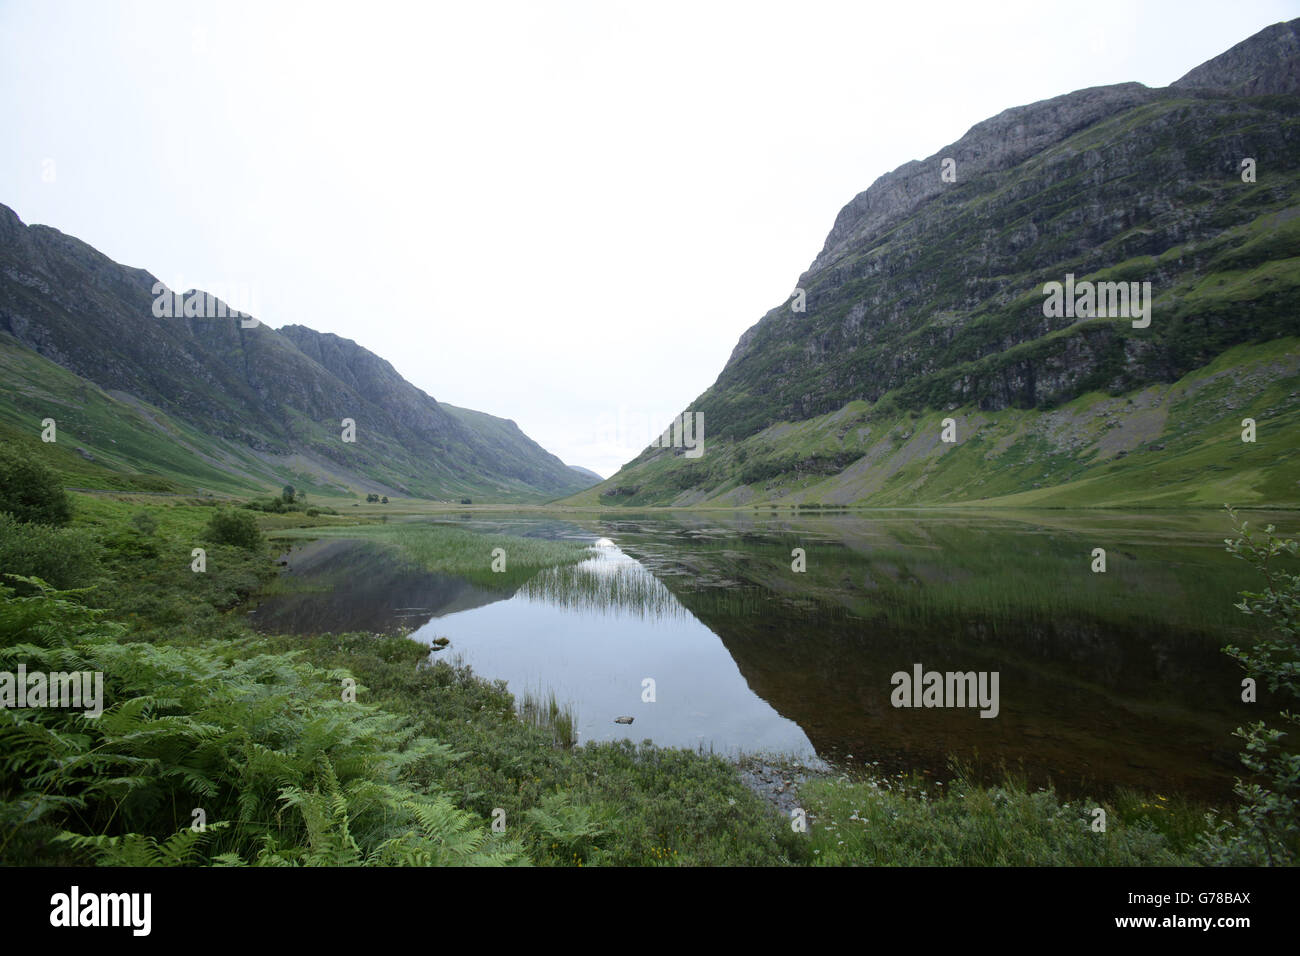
[[549, 714]]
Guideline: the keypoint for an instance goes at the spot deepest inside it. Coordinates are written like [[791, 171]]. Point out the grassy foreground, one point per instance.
[[219, 745]]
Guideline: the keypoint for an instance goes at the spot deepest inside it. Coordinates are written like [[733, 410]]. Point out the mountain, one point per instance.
[[201, 401], [928, 302], [586, 473]]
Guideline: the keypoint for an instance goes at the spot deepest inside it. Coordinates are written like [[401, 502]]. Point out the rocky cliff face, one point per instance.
[[277, 392], [928, 293], [1267, 63]]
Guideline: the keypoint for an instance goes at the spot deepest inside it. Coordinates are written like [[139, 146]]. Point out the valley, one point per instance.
[[985, 534]]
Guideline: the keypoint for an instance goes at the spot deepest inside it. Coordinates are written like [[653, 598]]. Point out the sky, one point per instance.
[[560, 213]]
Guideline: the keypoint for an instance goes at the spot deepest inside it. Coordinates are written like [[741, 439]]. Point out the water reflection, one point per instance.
[[1107, 680], [608, 636], [339, 584]]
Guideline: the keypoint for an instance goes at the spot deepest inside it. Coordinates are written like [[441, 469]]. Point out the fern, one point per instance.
[[179, 849]]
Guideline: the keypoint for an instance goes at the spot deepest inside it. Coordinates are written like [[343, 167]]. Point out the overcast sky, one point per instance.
[[560, 213]]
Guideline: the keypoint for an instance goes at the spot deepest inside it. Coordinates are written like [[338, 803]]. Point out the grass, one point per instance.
[[901, 822]]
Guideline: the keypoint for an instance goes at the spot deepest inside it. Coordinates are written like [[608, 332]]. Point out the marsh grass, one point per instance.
[[601, 586], [548, 714]]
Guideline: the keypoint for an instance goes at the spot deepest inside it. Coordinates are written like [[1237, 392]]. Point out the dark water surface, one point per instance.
[[1105, 680]]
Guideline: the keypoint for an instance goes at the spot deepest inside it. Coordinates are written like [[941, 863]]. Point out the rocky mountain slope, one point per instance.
[[927, 303], [207, 400]]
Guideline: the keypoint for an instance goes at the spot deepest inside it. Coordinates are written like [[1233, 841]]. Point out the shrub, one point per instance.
[[1267, 828], [30, 490], [145, 523], [275, 506], [238, 528], [62, 557]]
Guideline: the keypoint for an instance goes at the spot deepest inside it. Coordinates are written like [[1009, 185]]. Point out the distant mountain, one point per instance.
[[586, 473], [927, 302], [205, 401]]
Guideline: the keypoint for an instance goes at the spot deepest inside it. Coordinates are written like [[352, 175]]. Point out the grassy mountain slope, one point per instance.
[[204, 402], [1176, 445], [927, 303]]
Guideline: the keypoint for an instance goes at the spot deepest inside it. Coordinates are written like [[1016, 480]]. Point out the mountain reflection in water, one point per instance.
[[1106, 680]]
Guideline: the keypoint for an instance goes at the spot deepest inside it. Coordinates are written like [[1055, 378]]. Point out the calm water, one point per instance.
[[1104, 679]]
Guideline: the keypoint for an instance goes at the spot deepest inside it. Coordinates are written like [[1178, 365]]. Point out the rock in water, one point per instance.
[[623, 720]]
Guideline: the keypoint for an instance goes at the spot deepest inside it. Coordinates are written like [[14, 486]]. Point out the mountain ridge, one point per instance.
[[284, 394]]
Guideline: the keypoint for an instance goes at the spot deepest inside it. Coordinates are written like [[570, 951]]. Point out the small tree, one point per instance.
[[30, 490], [286, 494], [62, 557], [238, 528], [1267, 828], [384, 499]]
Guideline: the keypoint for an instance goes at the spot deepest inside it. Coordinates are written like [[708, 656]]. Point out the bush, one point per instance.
[[275, 506], [145, 523], [1266, 830], [238, 528], [62, 557], [30, 490]]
